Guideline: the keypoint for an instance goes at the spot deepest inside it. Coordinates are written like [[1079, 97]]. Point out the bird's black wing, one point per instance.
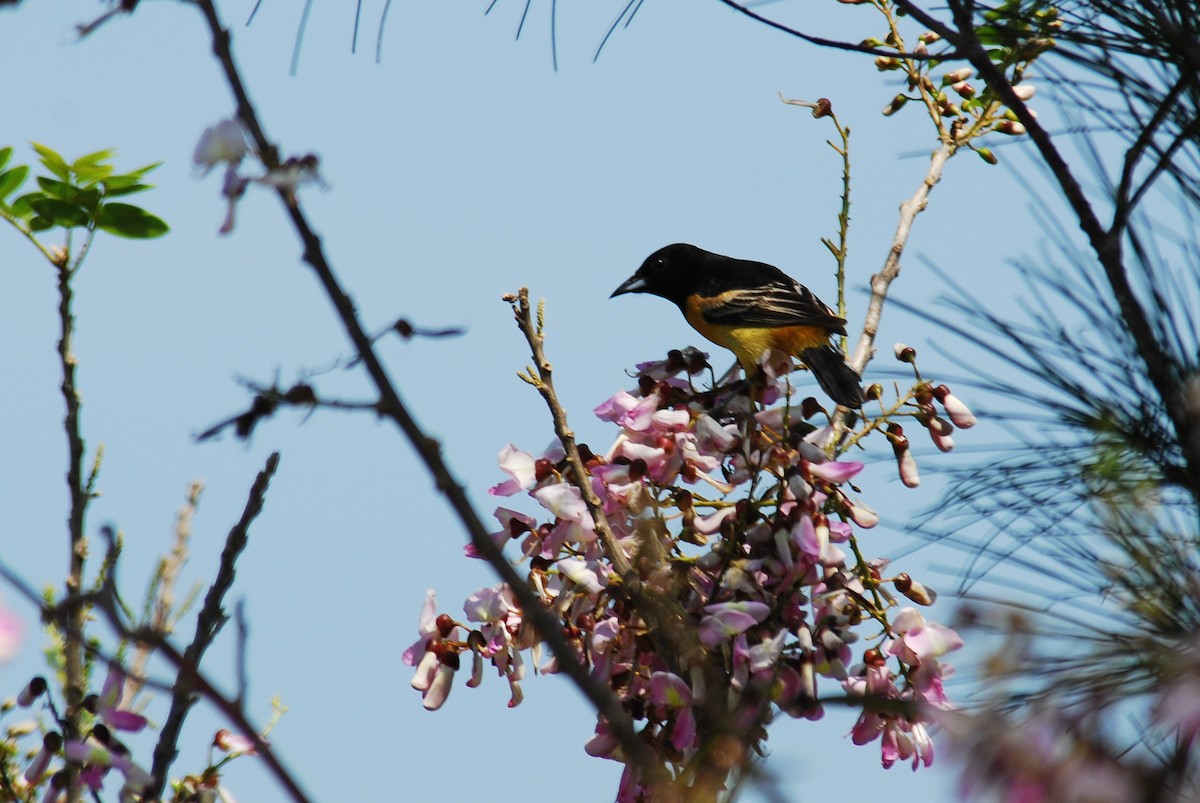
[[777, 302]]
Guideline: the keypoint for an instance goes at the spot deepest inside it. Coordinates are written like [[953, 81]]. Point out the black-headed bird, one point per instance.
[[749, 307]]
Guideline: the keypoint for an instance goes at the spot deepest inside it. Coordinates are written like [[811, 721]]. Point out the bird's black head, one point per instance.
[[670, 272]]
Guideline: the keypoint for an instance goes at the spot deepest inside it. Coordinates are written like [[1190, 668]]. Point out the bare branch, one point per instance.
[[882, 281], [208, 623]]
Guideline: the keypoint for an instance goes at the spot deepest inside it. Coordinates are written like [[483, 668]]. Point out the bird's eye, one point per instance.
[[660, 264]]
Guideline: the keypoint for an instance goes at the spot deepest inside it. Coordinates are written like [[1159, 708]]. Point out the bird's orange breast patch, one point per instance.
[[749, 342]]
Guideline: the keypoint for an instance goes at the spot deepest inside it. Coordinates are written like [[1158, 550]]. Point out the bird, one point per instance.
[[749, 307]]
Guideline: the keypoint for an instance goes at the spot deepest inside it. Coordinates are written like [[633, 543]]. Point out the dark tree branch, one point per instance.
[[209, 622], [834, 43]]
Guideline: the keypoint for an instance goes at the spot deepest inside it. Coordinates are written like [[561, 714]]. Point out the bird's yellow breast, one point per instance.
[[749, 342]]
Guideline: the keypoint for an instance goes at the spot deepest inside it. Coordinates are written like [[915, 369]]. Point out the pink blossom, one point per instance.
[[669, 689], [443, 680], [563, 500], [707, 525], [519, 466], [726, 619], [834, 471], [920, 639], [223, 142], [10, 634], [96, 755], [582, 574], [234, 744], [110, 698], [427, 628], [494, 604]]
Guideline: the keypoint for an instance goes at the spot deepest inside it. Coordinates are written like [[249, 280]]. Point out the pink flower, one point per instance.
[[10, 634], [110, 697], [919, 639], [427, 628], [582, 574], [564, 501], [834, 471], [727, 619], [519, 466], [512, 524], [223, 142], [234, 743], [95, 755]]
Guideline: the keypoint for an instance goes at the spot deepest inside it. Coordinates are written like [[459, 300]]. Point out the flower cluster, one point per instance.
[[87, 762], [742, 529]]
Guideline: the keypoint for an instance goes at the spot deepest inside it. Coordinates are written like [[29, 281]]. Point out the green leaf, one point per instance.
[[60, 213], [144, 169], [122, 180], [5, 155], [90, 175], [88, 198], [11, 179], [128, 189], [22, 207], [53, 162], [40, 224], [57, 189], [93, 159], [126, 220]]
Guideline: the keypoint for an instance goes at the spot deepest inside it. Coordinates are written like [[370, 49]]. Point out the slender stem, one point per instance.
[[73, 643], [579, 478], [209, 622], [882, 281]]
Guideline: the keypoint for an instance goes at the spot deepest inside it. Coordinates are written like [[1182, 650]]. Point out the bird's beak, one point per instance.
[[634, 284]]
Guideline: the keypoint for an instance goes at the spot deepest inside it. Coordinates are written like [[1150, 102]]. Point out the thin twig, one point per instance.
[[566, 436], [881, 281], [208, 624], [73, 626]]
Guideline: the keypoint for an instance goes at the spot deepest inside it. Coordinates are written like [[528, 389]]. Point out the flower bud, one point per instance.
[[986, 155], [863, 516], [959, 413], [929, 37], [915, 591], [886, 63], [51, 744], [904, 458], [34, 689], [1024, 91], [1010, 127], [954, 76], [964, 89], [905, 353], [896, 105]]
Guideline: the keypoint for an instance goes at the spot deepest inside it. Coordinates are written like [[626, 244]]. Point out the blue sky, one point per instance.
[[460, 167]]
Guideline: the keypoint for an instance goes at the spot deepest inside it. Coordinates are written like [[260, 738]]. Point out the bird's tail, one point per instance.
[[839, 381]]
